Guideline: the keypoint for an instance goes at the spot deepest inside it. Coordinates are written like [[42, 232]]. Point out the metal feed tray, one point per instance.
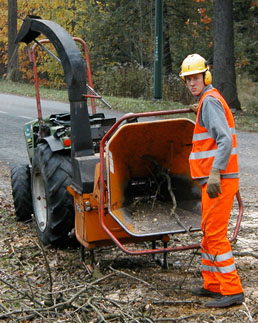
[[147, 220]]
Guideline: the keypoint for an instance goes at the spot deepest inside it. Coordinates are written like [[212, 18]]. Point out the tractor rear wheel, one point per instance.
[[52, 204], [21, 191]]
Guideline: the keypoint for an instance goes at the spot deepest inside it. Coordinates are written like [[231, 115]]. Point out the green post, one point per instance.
[[158, 54]]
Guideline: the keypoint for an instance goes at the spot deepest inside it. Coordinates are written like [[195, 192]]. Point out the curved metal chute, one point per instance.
[[68, 52], [76, 80]]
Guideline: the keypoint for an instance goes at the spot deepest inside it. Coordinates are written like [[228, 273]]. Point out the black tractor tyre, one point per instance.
[[21, 191], [52, 204]]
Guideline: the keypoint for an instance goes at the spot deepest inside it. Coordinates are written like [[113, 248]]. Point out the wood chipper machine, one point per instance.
[[130, 179]]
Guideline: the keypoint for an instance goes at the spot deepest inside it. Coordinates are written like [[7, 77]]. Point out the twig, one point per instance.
[[68, 303], [25, 295], [170, 319], [33, 310], [149, 319], [248, 314], [123, 314], [255, 313], [135, 278], [172, 195], [175, 302], [62, 305], [95, 309], [173, 210], [155, 175], [245, 254], [157, 192], [31, 290], [165, 177], [40, 246], [186, 272], [5, 309], [102, 278], [78, 318]]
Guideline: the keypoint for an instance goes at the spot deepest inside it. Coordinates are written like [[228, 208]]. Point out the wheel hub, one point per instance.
[[39, 199]]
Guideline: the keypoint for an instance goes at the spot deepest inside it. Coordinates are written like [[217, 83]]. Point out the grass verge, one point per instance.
[[246, 120]]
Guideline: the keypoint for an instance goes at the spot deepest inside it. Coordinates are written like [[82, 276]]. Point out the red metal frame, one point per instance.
[[88, 71], [103, 188], [32, 57]]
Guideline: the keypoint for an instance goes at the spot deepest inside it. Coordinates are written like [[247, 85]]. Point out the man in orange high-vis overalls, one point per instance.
[[213, 163]]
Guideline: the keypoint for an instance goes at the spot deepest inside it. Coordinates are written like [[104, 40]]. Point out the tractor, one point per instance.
[[100, 180]]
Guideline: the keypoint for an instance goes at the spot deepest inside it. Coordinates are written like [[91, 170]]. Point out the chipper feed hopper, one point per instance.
[[130, 183]]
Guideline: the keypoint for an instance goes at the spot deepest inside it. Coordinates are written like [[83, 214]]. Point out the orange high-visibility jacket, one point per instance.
[[205, 147]]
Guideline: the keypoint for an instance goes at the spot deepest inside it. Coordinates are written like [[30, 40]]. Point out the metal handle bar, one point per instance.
[[97, 96], [88, 69]]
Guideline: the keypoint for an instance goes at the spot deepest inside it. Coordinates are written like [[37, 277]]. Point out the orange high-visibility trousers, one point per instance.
[[218, 267]]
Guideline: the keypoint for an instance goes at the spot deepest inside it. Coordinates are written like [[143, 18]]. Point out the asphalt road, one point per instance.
[[15, 111]]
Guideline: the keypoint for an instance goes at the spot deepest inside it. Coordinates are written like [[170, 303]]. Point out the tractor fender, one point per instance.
[[54, 144]]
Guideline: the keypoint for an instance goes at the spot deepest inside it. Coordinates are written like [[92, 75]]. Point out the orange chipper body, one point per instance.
[[128, 154]]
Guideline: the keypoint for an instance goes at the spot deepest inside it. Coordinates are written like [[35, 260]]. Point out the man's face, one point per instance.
[[195, 83]]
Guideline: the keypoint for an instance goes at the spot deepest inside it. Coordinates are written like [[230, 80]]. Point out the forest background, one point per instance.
[[120, 36]]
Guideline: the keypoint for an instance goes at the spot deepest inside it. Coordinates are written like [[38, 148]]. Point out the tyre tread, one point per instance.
[[57, 171], [21, 191]]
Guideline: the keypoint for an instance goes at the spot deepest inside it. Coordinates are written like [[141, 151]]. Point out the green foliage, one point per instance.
[[175, 90], [247, 92], [120, 38], [246, 43], [3, 38], [137, 82], [189, 29], [121, 32], [126, 81]]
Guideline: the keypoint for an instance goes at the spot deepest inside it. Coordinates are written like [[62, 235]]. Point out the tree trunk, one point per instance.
[[224, 77], [12, 70]]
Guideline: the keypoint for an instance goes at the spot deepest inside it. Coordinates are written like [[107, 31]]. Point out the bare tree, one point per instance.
[[224, 77], [12, 71]]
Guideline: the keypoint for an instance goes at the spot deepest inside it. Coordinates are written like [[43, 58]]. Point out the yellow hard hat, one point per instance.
[[194, 64]]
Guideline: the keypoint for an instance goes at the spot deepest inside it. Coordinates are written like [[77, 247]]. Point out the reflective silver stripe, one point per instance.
[[233, 131], [206, 135], [218, 258], [203, 154], [231, 175], [222, 270], [234, 151], [207, 154], [201, 136]]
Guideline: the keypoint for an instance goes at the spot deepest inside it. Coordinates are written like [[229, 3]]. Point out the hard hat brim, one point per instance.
[[193, 72]]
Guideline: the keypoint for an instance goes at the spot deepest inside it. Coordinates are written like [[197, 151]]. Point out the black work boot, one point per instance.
[[200, 291], [227, 300]]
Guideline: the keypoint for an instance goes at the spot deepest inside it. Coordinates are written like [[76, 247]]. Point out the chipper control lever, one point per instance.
[[97, 96]]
